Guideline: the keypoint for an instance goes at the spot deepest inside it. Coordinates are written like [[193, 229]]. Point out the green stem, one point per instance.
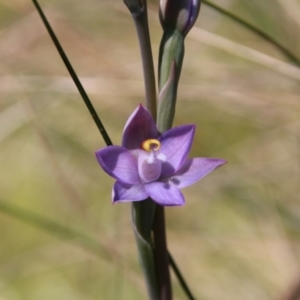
[[286, 52], [74, 76], [142, 222], [161, 254], [180, 278], [161, 264], [171, 49], [139, 14], [171, 55]]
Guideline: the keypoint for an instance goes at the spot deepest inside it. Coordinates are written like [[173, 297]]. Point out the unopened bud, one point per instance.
[[179, 15]]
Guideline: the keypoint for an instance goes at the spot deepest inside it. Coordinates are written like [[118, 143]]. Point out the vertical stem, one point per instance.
[[161, 255], [139, 15], [180, 278], [138, 10], [74, 76], [142, 221]]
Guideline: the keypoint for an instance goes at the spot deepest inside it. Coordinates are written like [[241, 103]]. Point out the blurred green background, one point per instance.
[[237, 237]]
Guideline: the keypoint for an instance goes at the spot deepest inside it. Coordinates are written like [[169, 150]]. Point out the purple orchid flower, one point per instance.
[[150, 164]]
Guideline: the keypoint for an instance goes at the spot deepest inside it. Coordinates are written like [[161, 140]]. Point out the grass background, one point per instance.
[[238, 236]]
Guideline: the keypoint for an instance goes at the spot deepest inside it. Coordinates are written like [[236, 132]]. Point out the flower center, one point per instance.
[[150, 145], [149, 163]]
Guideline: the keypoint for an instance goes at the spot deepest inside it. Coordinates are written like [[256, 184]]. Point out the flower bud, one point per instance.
[[179, 14]]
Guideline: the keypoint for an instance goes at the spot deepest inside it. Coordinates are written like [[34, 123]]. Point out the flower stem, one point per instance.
[[74, 76], [142, 222], [139, 14], [161, 254], [171, 54], [180, 278]]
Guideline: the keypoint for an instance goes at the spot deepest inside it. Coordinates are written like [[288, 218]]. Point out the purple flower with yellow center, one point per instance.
[[151, 164]]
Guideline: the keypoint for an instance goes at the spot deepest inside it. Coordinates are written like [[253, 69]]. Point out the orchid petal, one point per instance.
[[139, 127], [175, 146], [164, 194], [119, 163], [149, 166], [123, 192], [195, 169]]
